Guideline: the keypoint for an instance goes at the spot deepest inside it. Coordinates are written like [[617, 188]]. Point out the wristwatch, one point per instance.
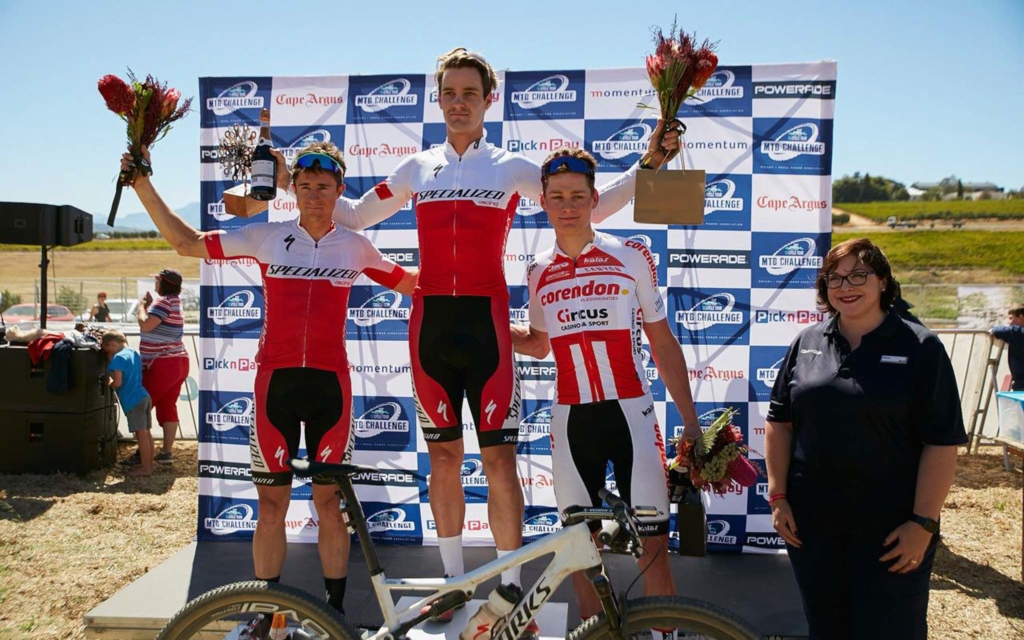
[[929, 525]]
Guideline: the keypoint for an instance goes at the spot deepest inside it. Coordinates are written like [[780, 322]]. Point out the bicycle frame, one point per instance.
[[573, 549]]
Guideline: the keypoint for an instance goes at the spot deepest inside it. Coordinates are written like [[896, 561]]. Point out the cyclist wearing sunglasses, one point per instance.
[[465, 195], [308, 266], [591, 295]]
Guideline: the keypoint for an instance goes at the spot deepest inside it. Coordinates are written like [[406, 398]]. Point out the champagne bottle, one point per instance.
[[264, 165]]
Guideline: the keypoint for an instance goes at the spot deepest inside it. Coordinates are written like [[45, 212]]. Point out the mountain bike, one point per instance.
[[232, 611]]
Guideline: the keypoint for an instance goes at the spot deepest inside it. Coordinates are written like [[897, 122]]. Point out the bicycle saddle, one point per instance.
[[313, 468]]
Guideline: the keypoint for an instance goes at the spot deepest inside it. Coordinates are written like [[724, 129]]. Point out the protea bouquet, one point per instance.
[[148, 107], [678, 68], [718, 458]]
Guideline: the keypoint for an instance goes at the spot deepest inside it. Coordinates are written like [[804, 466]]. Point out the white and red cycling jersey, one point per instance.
[[593, 309], [464, 209], [306, 285]]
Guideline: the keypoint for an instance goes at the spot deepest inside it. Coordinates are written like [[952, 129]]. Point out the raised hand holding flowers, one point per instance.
[[148, 108]]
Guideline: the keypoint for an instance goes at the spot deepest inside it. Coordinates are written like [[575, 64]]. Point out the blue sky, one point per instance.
[[925, 89]]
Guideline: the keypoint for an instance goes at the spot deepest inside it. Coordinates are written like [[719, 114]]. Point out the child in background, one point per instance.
[[124, 371]]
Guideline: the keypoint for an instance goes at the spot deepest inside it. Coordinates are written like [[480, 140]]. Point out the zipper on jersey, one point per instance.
[[455, 228], [309, 301]]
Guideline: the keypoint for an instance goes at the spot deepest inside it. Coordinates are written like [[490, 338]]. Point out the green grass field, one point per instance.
[[919, 250], [880, 211], [114, 244]]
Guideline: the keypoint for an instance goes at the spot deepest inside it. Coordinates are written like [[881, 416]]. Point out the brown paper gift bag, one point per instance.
[[238, 203], [669, 197]]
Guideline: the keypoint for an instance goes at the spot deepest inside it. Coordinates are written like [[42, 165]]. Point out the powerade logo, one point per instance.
[[792, 146], [238, 96], [435, 134], [385, 478], [708, 259], [765, 365], [541, 521], [540, 96], [234, 518], [386, 99], [785, 259], [535, 428], [357, 186], [710, 317], [383, 424], [225, 470], [377, 314], [231, 312], [393, 523], [800, 89], [726, 93]]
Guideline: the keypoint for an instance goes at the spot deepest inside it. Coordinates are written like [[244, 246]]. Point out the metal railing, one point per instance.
[[980, 369]]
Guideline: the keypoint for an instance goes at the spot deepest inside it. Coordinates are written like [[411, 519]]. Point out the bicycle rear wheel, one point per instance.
[[668, 612], [244, 609]]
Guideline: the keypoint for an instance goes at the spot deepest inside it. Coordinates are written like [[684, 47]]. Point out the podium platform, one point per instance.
[[759, 588]]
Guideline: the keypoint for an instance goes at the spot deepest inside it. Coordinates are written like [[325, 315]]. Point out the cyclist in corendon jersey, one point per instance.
[[465, 195], [308, 266], [590, 296]]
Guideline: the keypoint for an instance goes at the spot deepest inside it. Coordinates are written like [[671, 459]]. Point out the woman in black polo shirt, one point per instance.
[[861, 449]]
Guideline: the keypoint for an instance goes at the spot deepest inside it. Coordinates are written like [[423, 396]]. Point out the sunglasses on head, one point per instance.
[[571, 164], [317, 161]]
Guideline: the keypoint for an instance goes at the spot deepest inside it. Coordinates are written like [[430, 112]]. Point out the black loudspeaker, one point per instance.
[[43, 224], [36, 442], [23, 386]]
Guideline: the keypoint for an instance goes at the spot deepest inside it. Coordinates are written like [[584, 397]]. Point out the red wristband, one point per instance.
[[776, 497]]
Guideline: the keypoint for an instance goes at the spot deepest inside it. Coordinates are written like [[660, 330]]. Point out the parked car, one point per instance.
[[29, 312], [902, 224], [121, 311]]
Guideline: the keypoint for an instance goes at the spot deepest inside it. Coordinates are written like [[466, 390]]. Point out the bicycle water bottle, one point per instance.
[[501, 601]]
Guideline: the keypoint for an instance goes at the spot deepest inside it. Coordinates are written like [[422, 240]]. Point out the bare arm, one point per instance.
[[146, 322], [182, 237], [778, 439], [934, 478], [114, 379], [529, 341], [671, 363], [408, 282]]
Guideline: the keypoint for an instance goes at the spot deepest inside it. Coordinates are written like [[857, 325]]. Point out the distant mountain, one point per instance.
[[142, 222]]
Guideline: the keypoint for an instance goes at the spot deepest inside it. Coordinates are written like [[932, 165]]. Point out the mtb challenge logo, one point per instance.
[[231, 312], [377, 314], [717, 317], [386, 99], [233, 100], [536, 96], [535, 428], [726, 93], [793, 146], [786, 259], [383, 424]]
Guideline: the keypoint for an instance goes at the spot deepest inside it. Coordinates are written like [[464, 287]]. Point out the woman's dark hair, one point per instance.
[[165, 288], [867, 254]]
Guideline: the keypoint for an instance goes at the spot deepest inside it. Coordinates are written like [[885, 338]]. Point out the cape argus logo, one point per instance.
[[767, 375], [545, 91], [797, 254], [625, 141], [720, 196], [390, 94], [712, 310], [381, 307], [793, 142], [237, 517], [383, 418], [719, 85], [389, 520], [237, 96], [234, 413], [237, 306]]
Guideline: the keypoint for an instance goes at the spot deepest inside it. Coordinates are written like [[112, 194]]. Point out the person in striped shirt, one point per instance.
[[164, 359]]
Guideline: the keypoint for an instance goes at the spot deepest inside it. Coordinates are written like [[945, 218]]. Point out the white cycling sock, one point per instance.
[[510, 575], [451, 555]]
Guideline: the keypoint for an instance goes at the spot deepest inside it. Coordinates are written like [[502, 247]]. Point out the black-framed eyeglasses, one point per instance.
[[855, 278]]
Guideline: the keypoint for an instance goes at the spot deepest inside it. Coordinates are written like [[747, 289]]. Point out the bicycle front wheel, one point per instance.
[[245, 610], [668, 612]]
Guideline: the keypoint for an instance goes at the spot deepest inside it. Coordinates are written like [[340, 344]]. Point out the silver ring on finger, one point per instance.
[[913, 562]]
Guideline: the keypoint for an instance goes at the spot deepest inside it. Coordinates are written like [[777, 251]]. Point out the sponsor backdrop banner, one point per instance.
[[738, 287]]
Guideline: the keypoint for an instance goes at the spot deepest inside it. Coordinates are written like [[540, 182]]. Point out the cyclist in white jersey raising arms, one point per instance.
[[308, 267], [590, 297], [465, 195]]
